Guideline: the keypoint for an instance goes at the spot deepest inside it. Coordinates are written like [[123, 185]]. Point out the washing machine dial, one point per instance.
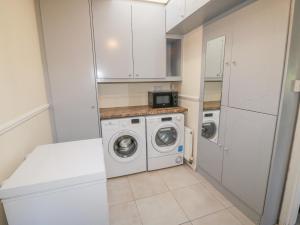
[[178, 160]]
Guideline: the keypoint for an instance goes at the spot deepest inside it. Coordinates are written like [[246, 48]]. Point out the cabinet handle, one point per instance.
[[226, 149], [137, 75], [130, 75], [93, 107], [234, 63], [227, 64]]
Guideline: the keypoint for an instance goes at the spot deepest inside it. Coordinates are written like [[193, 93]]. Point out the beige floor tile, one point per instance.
[[124, 214], [177, 177], [160, 209], [220, 218], [119, 191], [198, 176], [147, 184], [196, 201], [240, 216], [217, 195]]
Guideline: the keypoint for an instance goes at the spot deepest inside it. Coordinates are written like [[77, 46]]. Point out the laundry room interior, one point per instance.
[[149, 112]]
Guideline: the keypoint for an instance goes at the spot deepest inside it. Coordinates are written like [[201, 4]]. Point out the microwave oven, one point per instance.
[[163, 99]]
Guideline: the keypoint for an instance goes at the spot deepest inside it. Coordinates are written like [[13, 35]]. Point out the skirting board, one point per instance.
[[22, 119]]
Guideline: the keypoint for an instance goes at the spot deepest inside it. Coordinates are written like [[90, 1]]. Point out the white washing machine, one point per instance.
[[210, 125], [165, 140], [124, 142]]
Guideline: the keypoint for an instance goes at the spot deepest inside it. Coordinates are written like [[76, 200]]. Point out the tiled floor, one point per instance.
[[171, 196]]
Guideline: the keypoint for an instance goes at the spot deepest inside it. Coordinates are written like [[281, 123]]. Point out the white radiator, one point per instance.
[[188, 144]]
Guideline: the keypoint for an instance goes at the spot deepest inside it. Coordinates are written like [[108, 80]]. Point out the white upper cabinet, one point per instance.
[[149, 41], [214, 58], [194, 5], [175, 12], [113, 38]]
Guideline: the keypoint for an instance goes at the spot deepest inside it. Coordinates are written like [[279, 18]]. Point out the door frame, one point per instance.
[[291, 200]]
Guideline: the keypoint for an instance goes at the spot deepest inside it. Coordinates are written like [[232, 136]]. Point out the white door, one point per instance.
[[247, 155], [68, 46], [214, 58], [175, 11], [149, 41], [194, 5], [113, 38], [258, 53]]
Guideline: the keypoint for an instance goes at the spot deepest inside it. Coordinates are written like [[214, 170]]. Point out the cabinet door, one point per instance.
[[175, 11], [247, 155], [113, 38], [68, 46], [149, 41], [194, 5], [214, 58], [259, 33]]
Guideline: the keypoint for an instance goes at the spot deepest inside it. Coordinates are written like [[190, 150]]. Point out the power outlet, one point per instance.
[[297, 86]]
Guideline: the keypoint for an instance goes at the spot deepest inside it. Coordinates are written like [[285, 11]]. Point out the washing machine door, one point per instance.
[[166, 137], [125, 146], [209, 129]]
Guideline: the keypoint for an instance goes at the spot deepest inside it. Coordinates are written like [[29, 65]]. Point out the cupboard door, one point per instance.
[[259, 33], [247, 155], [68, 47], [194, 5], [175, 11], [113, 38], [149, 41]]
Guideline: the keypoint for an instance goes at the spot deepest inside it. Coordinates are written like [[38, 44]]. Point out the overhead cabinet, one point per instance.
[[129, 39], [175, 12], [185, 15], [113, 38]]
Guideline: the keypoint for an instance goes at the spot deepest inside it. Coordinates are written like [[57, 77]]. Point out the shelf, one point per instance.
[[167, 79]]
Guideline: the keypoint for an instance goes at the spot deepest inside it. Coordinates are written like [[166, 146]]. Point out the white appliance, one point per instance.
[[61, 184], [124, 143], [165, 140], [210, 125]]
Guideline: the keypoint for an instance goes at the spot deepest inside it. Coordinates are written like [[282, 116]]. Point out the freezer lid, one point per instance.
[[56, 166]]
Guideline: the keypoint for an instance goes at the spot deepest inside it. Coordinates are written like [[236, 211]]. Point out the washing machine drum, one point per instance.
[[209, 129], [166, 136], [125, 146]]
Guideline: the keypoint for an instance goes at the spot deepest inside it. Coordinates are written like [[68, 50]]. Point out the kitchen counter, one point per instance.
[[211, 105], [132, 111]]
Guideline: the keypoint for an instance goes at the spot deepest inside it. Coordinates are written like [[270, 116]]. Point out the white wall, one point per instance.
[[190, 87], [128, 94], [22, 85]]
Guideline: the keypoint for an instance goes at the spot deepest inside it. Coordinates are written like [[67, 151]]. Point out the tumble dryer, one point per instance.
[[165, 140]]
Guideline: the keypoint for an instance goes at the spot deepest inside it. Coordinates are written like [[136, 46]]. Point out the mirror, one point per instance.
[[213, 82]]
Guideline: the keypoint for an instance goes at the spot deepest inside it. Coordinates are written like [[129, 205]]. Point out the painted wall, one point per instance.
[[129, 94], [22, 85], [190, 86]]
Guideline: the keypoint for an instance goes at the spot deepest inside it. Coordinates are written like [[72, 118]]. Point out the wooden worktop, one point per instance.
[[132, 111], [211, 105]]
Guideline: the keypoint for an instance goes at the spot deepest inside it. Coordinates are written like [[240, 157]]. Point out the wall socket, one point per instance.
[[297, 86]]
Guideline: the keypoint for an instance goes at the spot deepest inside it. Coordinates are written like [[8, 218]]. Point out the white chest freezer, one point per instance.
[[58, 184]]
